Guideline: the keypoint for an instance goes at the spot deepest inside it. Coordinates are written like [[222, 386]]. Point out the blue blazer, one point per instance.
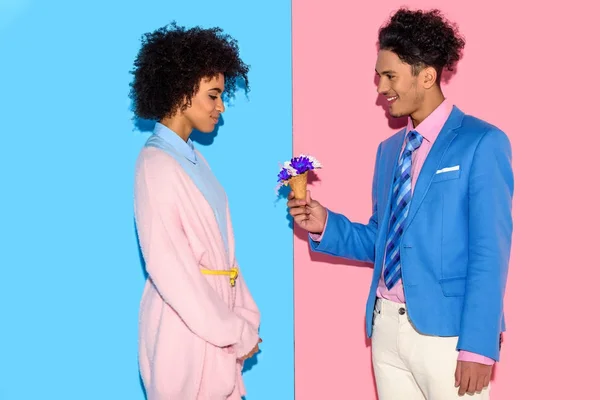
[[456, 245]]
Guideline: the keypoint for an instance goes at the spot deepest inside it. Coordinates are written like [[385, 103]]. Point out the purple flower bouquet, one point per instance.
[[295, 174]]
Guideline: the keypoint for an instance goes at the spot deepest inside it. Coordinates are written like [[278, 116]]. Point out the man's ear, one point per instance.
[[428, 77]]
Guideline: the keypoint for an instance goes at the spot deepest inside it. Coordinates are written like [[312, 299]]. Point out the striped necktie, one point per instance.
[[401, 196]]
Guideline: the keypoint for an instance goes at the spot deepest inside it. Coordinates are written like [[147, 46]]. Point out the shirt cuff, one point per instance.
[[472, 357]]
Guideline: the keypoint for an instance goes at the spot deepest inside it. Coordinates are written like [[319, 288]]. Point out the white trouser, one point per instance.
[[409, 365]]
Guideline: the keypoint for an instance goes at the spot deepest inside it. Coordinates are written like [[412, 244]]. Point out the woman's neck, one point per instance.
[[180, 125]]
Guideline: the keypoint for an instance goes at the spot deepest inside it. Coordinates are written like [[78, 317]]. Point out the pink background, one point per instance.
[[532, 70]]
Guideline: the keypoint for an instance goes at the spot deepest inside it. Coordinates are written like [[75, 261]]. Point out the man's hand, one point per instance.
[[471, 377], [307, 213], [252, 352]]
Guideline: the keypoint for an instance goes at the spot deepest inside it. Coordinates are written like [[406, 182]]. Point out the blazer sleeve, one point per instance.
[[171, 264], [491, 186], [347, 239]]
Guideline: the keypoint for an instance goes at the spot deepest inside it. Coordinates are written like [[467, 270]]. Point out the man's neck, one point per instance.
[[430, 103]]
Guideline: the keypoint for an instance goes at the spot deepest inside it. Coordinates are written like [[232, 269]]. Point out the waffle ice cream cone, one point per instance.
[[298, 185]]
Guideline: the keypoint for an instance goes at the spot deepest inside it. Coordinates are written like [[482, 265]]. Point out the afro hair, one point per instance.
[[172, 61], [422, 39]]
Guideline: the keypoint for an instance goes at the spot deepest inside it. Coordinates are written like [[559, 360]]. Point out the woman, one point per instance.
[[198, 322]]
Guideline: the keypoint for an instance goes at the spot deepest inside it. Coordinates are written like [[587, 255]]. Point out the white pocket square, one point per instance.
[[448, 169]]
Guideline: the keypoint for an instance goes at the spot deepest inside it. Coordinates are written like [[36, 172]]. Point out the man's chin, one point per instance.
[[397, 114]]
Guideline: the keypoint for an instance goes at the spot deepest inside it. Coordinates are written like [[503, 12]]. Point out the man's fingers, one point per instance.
[[464, 383], [486, 381], [472, 388], [457, 375], [308, 198], [298, 211], [301, 219], [480, 382], [290, 195], [296, 203]]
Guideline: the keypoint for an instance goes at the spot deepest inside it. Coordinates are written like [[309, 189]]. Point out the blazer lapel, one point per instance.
[[433, 160]]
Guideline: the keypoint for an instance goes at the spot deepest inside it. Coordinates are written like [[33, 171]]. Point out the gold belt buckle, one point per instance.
[[233, 274]]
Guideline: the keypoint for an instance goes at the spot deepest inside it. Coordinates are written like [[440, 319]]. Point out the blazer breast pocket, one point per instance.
[[446, 174]]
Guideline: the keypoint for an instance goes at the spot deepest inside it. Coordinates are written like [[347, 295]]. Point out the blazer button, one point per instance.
[[401, 311]]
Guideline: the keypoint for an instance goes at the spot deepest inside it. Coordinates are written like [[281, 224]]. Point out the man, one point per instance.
[[441, 229]]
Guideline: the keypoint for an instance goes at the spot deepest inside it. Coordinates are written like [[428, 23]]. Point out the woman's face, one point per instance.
[[207, 105]]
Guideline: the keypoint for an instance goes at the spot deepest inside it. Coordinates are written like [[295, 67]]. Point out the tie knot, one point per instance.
[[414, 140]]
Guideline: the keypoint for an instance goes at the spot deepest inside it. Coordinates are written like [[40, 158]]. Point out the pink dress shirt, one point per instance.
[[430, 129]]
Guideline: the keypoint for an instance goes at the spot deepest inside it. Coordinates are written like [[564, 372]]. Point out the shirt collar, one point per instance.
[[431, 126], [184, 148]]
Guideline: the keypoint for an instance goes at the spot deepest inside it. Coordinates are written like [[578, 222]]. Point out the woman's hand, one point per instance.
[[252, 352]]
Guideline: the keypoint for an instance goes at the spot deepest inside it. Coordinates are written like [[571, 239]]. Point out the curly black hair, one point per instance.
[[423, 39], [171, 62]]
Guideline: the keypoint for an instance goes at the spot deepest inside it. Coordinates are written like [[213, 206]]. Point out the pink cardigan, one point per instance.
[[193, 327]]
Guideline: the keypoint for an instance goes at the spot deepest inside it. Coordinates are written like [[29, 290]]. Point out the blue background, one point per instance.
[[70, 272]]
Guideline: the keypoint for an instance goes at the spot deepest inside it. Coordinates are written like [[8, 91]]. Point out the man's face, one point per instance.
[[398, 85]]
